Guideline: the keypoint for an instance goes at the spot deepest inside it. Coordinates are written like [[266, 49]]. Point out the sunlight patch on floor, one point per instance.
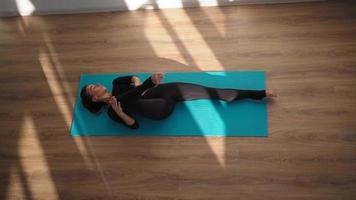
[[218, 20], [33, 161], [61, 102], [217, 144], [55, 86], [193, 42], [158, 37], [58, 67], [15, 187]]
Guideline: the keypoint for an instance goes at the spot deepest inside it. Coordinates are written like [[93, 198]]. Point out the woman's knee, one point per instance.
[[156, 109], [165, 111]]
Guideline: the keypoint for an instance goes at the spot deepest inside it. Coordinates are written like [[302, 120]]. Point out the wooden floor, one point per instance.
[[308, 51]]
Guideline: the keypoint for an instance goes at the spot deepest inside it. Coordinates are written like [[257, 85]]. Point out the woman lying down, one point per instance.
[[153, 99]]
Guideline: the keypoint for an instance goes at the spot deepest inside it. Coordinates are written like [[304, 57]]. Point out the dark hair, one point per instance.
[[92, 106]]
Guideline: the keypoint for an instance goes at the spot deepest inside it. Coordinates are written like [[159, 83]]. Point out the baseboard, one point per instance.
[[157, 4]]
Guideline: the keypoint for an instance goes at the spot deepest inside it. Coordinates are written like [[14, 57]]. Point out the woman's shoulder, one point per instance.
[[119, 89]]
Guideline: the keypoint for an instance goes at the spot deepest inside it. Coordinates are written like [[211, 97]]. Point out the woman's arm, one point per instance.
[[156, 78], [118, 110], [123, 80], [127, 119], [127, 80], [117, 114], [135, 93], [120, 118], [136, 81]]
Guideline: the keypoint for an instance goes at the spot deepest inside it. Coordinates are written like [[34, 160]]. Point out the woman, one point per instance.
[[154, 100]]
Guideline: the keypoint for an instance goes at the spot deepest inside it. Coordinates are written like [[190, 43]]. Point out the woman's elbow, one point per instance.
[[135, 125]]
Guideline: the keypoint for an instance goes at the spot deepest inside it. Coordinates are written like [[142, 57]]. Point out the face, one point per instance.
[[96, 91]]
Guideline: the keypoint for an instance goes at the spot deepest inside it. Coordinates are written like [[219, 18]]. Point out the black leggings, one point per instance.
[[158, 102]]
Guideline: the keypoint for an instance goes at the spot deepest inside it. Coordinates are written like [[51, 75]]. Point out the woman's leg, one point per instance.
[[159, 102], [251, 94], [155, 108], [180, 91]]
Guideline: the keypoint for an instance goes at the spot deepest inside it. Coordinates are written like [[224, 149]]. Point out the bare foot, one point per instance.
[[270, 94]]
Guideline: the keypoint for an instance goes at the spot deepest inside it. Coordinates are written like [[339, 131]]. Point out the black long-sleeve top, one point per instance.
[[125, 92]]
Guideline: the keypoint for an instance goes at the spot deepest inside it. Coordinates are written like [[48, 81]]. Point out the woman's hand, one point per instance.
[[136, 81], [104, 98], [157, 77], [115, 104]]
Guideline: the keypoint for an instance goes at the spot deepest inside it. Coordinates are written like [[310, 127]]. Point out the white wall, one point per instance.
[[33, 7]]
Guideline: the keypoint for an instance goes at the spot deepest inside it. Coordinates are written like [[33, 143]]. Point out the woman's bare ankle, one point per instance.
[[270, 94]]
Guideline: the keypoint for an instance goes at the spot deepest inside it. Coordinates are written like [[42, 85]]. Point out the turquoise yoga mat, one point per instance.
[[203, 117]]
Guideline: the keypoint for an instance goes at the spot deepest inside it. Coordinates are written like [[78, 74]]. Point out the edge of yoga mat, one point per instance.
[[192, 124]]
